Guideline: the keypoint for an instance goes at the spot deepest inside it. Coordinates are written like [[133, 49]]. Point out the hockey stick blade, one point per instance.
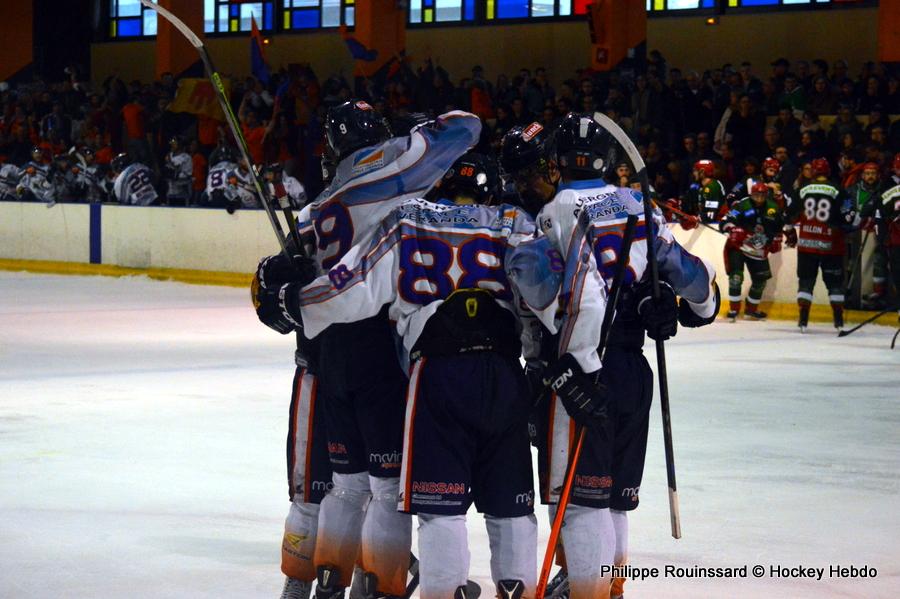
[[176, 22], [863, 323], [894, 340]]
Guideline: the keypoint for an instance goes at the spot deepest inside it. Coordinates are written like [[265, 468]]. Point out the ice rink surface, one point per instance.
[[142, 433]]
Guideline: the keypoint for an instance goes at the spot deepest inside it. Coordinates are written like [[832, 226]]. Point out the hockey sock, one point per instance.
[[514, 550], [443, 555], [734, 306], [299, 543], [386, 537], [590, 541], [620, 525], [340, 523]]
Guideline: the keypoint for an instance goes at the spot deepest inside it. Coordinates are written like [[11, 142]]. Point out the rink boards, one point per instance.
[[211, 246]]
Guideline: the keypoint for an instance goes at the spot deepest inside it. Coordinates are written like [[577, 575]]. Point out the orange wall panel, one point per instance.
[[16, 31]]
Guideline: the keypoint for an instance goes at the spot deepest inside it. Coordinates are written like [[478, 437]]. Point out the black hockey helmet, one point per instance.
[[526, 149], [472, 174], [276, 169], [176, 141], [584, 148], [224, 154], [352, 126], [119, 163]]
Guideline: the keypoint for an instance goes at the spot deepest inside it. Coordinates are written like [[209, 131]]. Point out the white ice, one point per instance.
[[142, 429]]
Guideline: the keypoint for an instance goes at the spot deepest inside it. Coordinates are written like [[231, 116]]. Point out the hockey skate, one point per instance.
[[327, 580], [558, 587], [510, 589], [803, 323], [839, 320], [296, 589], [754, 314]]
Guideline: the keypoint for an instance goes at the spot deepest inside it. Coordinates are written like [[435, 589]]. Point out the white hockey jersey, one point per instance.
[[34, 183], [372, 181], [134, 186], [179, 175], [218, 176], [422, 252], [585, 222], [9, 179], [240, 187]]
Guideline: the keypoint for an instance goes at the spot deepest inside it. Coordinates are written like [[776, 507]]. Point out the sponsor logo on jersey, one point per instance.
[[387, 460], [294, 540], [531, 130], [526, 498], [438, 488], [770, 212], [368, 160], [322, 485], [631, 492], [593, 482]]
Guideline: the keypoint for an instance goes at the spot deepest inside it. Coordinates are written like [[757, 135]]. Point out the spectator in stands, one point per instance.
[[821, 100], [793, 96], [871, 97], [137, 143], [746, 127], [845, 124], [788, 128], [809, 149]]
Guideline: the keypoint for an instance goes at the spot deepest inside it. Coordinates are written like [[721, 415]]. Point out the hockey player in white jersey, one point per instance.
[[178, 174], [90, 179], [239, 189], [360, 381], [9, 179], [133, 184], [454, 276], [584, 219], [285, 186], [34, 183], [222, 160]]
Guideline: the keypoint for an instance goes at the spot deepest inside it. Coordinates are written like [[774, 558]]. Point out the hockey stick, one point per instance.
[[894, 340], [641, 168], [854, 265], [863, 323], [683, 213], [605, 327], [261, 186]]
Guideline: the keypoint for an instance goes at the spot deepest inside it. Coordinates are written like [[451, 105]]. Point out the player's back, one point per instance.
[[134, 186], [818, 214], [218, 175]]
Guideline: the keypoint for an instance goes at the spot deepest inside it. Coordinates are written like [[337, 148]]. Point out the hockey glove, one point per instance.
[[790, 236], [688, 318], [775, 244], [278, 309], [584, 400], [660, 317], [689, 222], [736, 236], [275, 271]]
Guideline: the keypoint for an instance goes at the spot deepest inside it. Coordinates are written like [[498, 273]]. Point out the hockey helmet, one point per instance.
[[759, 187], [176, 143], [821, 167], [276, 169], [37, 153], [352, 126], [771, 163], [472, 174], [526, 149], [706, 167], [88, 154], [119, 163], [583, 147]]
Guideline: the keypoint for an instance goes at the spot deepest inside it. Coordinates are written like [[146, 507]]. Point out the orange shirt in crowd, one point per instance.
[[133, 113], [207, 130], [199, 171], [104, 155], [254, 137]]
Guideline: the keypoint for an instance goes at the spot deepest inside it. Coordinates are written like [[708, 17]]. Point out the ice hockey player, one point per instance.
[[91, 179], [361, 383], [9, 179], [222, 160], [34, 180], [133, 182], [706, 196], [584, 219], [770, 171], [755, 229], [285, 186], [453, 274], [240, 192], [886, 209], [178, 174], [823, 216]]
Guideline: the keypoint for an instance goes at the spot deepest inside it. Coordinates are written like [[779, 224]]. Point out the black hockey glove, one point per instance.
[[584, 399], [660, 317], [688, 318], [278, 309], [274, 271]]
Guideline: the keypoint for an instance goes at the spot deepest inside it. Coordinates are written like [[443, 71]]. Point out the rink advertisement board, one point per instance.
[[205, 245]]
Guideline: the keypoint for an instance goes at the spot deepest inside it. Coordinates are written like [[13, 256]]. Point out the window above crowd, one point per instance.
[[129, 19]]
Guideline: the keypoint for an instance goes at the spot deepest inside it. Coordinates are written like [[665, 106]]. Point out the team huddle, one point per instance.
[[425, 281]]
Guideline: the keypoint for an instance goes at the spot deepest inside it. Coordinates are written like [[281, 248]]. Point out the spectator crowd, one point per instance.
[[70, 141]]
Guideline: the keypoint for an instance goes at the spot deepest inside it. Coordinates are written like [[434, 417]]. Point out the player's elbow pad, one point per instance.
[[688, 318]]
